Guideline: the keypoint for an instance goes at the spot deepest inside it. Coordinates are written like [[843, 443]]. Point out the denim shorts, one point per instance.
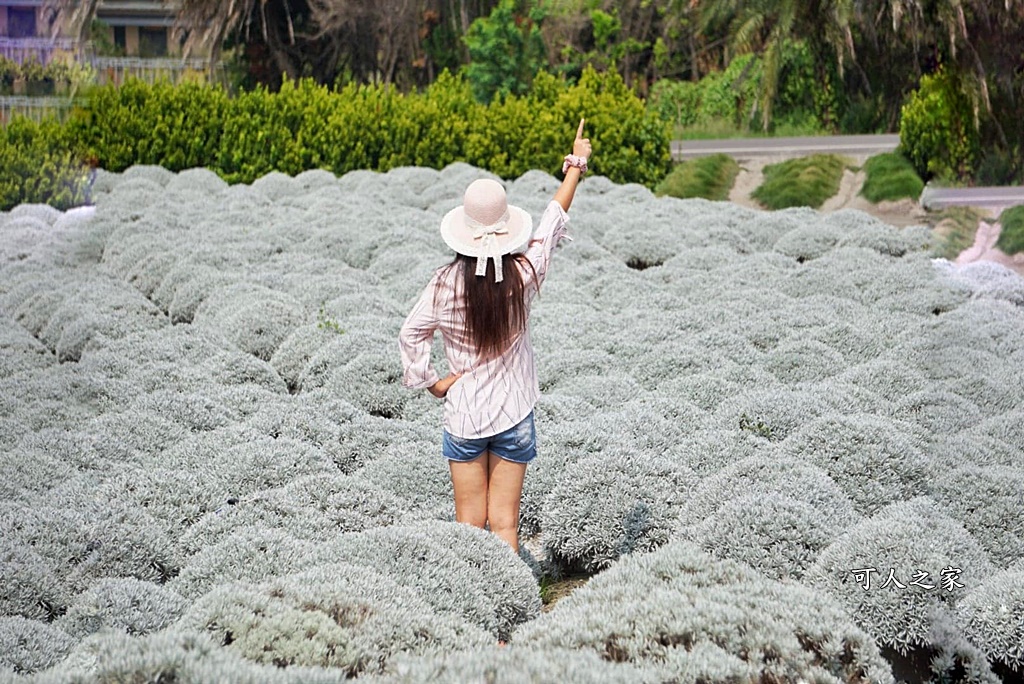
[[518, 444]]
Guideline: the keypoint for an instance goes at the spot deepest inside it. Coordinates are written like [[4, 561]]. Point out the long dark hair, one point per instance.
[[495, 312]]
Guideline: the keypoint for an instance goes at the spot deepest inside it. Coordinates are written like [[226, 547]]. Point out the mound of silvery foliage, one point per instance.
[[784, 444]]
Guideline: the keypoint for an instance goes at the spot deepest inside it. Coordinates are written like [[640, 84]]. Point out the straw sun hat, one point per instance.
[[486, 226]]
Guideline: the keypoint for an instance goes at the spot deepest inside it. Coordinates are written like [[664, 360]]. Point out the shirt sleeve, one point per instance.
[[416, 339], [551, 229]]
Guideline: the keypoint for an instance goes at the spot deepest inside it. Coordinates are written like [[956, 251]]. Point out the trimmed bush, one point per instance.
[[804, 182], [691, 618], [173, 654], [509, 666], [710, 177], [890, 176], [760, 405], [27, 646], [335, 615], [1011, 237], [992, 615], [905, 538], [614, 504], [128, 605], [777, 535], [41, 164], [875, 461], [986, 500]]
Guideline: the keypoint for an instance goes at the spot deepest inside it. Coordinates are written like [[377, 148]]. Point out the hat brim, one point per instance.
[[459, 237]]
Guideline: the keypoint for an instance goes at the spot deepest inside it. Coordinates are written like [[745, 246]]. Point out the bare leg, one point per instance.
[[469, 480], [504, 491]]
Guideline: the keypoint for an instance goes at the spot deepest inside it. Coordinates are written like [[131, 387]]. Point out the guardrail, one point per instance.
[[118, 69], [43, 49], [36, 108], [749, 148], [996, 198]]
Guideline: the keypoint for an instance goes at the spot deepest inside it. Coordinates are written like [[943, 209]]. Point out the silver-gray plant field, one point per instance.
[[785, 446]]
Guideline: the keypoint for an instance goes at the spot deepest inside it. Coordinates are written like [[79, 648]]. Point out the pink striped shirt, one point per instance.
[[493, 396]]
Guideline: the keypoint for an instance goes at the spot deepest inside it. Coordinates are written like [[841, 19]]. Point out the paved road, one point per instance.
[[749, 148]]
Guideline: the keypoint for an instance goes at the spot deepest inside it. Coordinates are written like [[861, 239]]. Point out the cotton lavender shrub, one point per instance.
[[194, 378], [30, 645], [210, 513], [20, 349], [690, 618], [938, 410], [30, 585], [335, 615], [457, 570], [770, 413], [637, 513], [992, 617], [773, 513], [256, 319], [913, 543], [1006, 427], [886, 376], [989, 502], [170, 655], [510, 665], [777, 535], [874, 460], [180, 358], [985, 279], [249, 552], [371, 381], [130, 605]]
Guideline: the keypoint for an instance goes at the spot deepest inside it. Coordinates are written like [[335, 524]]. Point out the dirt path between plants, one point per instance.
[[751, 175], [984, 248]]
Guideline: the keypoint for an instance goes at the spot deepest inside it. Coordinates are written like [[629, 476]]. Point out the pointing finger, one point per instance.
[[579, 131]]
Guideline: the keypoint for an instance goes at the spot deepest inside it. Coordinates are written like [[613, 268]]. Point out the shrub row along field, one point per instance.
[[802, 182], [890, 176], [1011, 237], [306, 126], [753, 425], [710, 178]]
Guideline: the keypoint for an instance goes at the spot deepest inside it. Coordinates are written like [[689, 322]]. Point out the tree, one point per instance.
[[505, 50], [980, 41], [764, 26]]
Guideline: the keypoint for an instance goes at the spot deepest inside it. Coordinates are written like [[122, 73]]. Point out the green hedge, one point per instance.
[[710, 177], [1011, 237], [804, 182], [307, 126], [890, 176], [38, 166]]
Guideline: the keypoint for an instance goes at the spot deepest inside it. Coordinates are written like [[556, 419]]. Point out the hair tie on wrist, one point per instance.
[[572, 160]]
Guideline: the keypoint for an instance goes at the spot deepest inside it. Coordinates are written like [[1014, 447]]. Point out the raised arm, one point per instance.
[[567, 190]]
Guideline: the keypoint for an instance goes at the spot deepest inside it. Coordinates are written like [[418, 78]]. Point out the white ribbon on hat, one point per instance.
[[489, 244]]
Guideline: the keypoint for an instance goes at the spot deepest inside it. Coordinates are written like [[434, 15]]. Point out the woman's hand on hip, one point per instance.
[[440, 388]]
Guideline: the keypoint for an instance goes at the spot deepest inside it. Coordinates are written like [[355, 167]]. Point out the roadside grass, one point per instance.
[[954, 229], [802, 182], [709, 177], [1011, 238], [890, 176], [725, 129]]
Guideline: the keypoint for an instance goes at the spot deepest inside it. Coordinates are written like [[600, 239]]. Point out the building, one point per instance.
[[137, 28], [140, 28]]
